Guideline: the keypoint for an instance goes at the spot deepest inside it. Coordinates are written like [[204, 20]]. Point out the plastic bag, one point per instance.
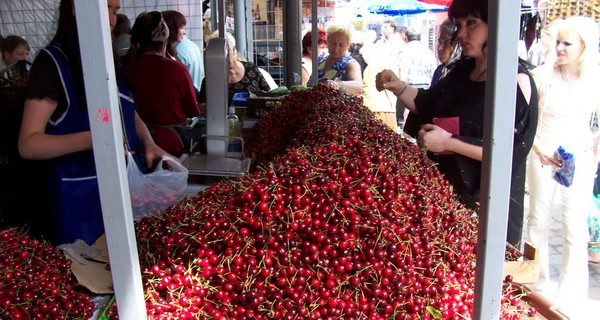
[[155, 191], [564, 174]]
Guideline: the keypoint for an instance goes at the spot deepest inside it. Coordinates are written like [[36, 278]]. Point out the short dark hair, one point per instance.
[[10, 43], [463, 8]]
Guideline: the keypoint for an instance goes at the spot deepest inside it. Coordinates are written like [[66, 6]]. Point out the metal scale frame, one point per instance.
[[217, 161]]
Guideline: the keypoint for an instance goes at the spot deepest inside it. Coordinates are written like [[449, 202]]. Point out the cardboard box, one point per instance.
[[527, 268], [95, 274]]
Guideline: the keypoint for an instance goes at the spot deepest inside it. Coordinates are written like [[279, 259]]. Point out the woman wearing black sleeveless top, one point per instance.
[[461, 94]]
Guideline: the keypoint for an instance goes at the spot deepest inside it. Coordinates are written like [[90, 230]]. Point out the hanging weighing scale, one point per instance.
[[217, 161]]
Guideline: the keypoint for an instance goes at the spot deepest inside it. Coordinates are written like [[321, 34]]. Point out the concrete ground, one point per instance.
[[555, 249]]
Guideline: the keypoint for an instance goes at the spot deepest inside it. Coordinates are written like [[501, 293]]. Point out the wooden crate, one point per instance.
[[527, 269]]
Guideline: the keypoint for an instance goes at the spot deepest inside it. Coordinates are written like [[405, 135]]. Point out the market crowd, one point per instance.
[[435, 98]]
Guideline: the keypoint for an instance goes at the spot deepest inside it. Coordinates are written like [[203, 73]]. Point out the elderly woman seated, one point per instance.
[[244, 76]]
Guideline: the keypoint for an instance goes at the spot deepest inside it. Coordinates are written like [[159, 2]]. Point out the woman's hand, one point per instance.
[[387, 79], [153, 153], [339, 85], [434, 138], [547, 160]]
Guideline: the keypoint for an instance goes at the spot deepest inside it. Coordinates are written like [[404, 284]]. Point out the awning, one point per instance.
[[438, 2]]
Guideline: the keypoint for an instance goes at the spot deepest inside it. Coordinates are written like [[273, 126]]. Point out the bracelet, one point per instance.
[[343, 88], [403, 89]]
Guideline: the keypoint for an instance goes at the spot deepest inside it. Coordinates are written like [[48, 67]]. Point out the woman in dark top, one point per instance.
[[56, 128], [461, 94]]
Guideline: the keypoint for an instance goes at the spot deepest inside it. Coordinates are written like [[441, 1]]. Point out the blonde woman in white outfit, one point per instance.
[[569, 96]]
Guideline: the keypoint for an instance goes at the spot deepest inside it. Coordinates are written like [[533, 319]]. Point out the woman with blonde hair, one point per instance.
[[569, 97], [337, 68], [543, 50]]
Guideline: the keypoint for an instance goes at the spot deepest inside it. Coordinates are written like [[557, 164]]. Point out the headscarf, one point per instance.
[[454, 56], [161, 32], [149, 33]]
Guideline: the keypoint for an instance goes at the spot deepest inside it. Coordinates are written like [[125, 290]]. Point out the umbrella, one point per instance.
[[404, 7], [431, 7], [438, 2]]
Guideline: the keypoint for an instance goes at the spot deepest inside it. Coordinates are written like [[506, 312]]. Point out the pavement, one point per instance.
[[555, 243]]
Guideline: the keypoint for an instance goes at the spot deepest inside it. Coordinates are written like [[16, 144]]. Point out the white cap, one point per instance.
[[231, 110]]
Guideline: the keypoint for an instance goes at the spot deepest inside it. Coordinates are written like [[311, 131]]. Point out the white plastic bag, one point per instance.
[[155, 191]]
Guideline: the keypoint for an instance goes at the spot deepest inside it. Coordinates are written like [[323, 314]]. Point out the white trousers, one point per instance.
[[574, 207]]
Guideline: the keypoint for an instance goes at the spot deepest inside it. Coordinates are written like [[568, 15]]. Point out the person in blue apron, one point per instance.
[[56, 128]]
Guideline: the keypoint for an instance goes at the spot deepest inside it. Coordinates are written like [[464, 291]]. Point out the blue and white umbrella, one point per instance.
[[404, 7]]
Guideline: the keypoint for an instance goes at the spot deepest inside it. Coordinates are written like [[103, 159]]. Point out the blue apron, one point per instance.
[[73, 185]]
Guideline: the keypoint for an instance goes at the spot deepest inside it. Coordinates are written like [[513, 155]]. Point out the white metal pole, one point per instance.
[[499, 121], [107, 139]]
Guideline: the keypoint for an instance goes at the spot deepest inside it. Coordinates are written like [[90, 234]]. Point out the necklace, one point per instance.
[[565, 79]]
